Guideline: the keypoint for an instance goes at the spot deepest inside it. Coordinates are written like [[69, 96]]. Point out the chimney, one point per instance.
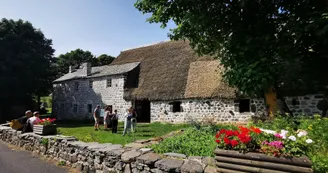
[[70, 70], [86, 67]]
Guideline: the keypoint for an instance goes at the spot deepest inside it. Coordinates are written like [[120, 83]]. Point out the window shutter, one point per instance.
[[171, 108], [181, 109]]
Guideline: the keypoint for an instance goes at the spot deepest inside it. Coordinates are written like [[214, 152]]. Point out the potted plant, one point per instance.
[[252, 149], [45, 126]]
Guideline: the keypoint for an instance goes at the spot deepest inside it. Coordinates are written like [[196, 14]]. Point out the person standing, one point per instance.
[[106, 118], [96, 116], [134, 121], [127, 121], [114, 122]]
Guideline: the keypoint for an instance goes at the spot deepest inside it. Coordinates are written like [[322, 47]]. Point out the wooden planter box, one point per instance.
[[229, 161], [45, 130]]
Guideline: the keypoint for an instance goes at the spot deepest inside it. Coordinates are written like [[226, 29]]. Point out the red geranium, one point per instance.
[[256, 130], [226, 141], [234, 143]]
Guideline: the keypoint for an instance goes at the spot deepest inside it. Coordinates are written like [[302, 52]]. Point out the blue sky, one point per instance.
[[100, 26]]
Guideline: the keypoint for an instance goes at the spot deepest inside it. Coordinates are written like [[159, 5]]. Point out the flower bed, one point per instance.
[[45, 126], [281, 144]]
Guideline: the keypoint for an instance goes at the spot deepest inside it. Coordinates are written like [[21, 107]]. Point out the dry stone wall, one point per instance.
[[304, 105], [65, 97], [105, 158], [220, 110]]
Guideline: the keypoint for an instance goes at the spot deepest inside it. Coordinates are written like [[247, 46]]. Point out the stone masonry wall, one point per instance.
[[65, 97], [222, 110], [304, 105], [105, 158]]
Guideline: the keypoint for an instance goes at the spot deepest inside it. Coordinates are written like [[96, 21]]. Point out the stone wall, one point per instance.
[[105, 158], [304, 105], [221, 110], [65, 97]]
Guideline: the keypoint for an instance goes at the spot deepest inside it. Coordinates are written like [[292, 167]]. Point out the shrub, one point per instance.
[[192, 142]]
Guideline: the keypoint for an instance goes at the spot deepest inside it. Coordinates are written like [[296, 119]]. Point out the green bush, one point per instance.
[[192, 142], [195, 141]]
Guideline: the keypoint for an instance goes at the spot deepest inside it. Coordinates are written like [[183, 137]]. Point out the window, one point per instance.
[[109, 83], [176, 107], [76, 86], [75, 108], [90, 108], [244, 105], [90, 84]]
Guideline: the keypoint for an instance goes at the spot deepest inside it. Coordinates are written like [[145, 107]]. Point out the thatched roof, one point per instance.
[[205, 81], [99, 71], [165, 69]]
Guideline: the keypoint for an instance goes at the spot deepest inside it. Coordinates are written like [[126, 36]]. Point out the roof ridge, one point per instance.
[[146, 45]]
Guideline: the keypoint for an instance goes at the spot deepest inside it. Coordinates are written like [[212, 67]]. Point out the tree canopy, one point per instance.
[[25, 62], [77, 57], [262, 44]]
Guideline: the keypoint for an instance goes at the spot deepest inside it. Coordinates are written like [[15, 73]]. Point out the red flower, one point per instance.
[[217, 141], [217, 135], [244, 129], [244, 138], [256, 130], [229, 133], [226, 141], [234, 143], [222, 131], [236, 132]]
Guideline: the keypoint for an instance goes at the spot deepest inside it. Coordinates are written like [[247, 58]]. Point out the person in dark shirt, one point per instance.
[[23, 120]]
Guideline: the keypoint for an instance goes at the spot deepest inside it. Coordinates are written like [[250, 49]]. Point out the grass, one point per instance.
[[85, 132]]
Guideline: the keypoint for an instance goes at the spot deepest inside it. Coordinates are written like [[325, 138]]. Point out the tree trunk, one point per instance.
[[281, 105]]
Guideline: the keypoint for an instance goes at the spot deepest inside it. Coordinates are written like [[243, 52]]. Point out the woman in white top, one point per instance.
[[106, 117], [127, 121]]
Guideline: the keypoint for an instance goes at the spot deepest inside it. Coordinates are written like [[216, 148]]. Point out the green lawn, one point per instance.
[[85, 132]]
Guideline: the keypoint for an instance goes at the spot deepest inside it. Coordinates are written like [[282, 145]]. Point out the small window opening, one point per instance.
[[90, 84], [109, 83], [176, 107], [244, 105], [295, 102], [90, 108]]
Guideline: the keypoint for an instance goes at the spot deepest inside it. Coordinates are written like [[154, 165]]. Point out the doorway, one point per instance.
[[143, 110]]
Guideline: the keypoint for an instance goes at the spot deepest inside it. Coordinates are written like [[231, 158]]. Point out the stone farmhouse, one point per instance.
[[165, 82]]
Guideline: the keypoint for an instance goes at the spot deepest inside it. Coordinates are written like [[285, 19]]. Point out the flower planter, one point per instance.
[[45, 130], [233, 161]]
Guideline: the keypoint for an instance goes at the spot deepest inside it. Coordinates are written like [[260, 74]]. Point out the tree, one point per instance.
[[77, 57], [74, 58], [262, 44], [25, 63], [105, 59]]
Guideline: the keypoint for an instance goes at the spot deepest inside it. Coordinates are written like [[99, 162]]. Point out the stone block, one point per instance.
[[210, 169], [148, 159], [169, 165], [127, 168], [176, 155], [191, 167], [209, 161], [130, 156], [145, 150]]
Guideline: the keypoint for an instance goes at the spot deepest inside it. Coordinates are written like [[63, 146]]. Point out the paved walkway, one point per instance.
[[23, 162]]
